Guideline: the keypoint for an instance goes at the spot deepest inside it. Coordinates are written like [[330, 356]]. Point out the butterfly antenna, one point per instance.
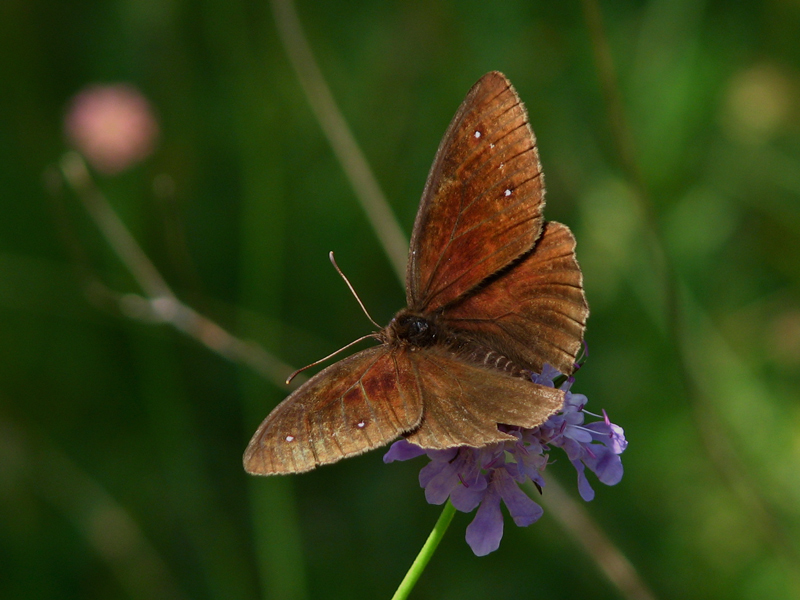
[[352, 290], [331, 355]]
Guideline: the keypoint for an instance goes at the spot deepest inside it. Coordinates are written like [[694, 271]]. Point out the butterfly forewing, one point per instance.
[[482, 204], [359, 403], [465, 402], [535, 311]]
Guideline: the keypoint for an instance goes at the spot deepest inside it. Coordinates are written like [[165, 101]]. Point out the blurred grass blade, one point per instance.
[[717, 372], [575, 519], [344, 144], [723, 453], [106, 525]]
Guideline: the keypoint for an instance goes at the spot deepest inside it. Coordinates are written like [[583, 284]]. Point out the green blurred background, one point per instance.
[[121, 441]]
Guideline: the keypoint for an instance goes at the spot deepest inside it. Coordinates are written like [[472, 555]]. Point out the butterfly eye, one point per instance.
[[420, 332], [418, 327], [415, 329]]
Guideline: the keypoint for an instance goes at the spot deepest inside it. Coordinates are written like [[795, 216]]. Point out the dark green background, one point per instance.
[[110, 426]]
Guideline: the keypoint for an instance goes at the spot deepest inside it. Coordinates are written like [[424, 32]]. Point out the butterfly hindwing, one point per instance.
[[357, 404], [464, 402], [535, 311]]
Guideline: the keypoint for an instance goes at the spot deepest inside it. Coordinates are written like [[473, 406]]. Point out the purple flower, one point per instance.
[[483, 477]]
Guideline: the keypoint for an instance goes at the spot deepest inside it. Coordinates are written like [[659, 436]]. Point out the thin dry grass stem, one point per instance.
[[75, 172], [395, 245], [105, 524], [344, 144], [160, 303], [574, 518], [721, 451]]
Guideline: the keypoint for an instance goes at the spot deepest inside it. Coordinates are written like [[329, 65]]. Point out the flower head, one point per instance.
[[112, 126], [483, 477]]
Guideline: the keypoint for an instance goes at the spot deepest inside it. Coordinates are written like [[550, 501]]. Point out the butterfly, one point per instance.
[[493, 292]]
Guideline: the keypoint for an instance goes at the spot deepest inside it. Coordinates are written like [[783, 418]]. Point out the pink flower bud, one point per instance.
[[112, 126]]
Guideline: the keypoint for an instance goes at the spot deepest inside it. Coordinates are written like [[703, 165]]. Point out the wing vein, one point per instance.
[[520, 200], [546, 341], [480, 262], [511, 313], [496, 142]]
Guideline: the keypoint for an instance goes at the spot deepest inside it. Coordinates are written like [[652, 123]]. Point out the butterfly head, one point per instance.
[[414, 329]]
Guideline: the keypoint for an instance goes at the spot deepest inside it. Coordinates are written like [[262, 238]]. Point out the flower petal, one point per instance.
[[441, 480], [402, 450], [607, 466], [586, 491], [548, 374], [523, 510], [438, 480], [579, 434], [486, 530], [465, 498]]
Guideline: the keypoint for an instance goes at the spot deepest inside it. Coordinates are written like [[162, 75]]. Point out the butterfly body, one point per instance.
[[493, 293], [417, 331]]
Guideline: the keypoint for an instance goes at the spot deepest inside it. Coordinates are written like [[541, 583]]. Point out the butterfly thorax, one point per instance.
[[408, 328], [420, 331]]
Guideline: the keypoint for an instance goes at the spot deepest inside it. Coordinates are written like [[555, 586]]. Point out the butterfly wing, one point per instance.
[[533, 312], [465, 402], [355, 405], [482, 204]]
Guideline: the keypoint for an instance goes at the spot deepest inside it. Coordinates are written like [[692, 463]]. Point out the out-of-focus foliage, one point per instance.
[[120, 440]]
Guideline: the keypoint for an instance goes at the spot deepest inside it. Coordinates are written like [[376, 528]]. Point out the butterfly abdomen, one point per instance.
[[474, 352]]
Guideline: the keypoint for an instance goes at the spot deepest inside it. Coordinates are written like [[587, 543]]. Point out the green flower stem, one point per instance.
[[424, 556]]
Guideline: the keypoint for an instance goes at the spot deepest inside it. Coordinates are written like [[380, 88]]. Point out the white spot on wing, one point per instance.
[[477, 134], [361, 424], [507, 193], [289, 438]]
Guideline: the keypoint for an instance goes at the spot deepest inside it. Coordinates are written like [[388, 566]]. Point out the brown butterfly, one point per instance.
[[493, 293]]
